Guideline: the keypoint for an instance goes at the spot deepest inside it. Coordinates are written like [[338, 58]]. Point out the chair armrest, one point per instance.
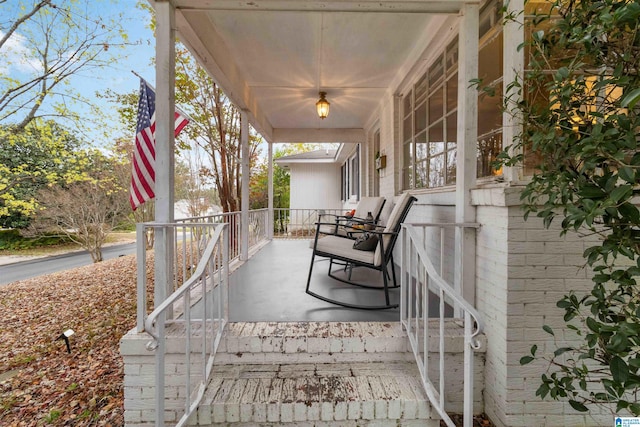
[[327, 223], [382, 233], [328, 214]]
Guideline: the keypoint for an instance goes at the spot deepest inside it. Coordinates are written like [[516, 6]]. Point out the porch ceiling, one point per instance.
[[272, 57]]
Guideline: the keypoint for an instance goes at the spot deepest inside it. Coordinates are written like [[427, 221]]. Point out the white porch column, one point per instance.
[[465, 262], [165, 107], [512, 68], [244, 206], [270, 190]]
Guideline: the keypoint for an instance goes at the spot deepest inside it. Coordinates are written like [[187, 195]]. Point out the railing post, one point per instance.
[[225, 273], [217, 245], [246, 171], [417, 324], [159, 371], [141, 257], [468, 372], [403, 280]]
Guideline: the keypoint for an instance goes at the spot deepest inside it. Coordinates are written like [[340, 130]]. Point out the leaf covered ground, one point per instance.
[[40, 382]]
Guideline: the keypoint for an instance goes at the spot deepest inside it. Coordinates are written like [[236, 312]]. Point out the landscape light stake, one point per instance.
[[65, 336]]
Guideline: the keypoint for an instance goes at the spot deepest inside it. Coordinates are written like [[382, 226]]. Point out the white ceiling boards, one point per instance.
[[273, 57]]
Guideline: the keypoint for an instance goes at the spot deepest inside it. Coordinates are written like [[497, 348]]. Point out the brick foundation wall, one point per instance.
[[523, 269], [139, 381]]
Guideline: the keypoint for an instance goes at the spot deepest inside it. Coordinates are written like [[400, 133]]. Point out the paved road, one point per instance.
[[39, 266]]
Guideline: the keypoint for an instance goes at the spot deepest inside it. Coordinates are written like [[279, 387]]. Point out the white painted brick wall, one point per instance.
[[139, 382], [523, 269]]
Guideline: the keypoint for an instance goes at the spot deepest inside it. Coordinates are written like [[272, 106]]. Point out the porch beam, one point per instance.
[[385, 6], [244, 203], [318, 135], [464, 277], [164, 162]]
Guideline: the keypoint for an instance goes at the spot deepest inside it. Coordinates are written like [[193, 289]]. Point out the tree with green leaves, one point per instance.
[[579, 102], [42, 153]]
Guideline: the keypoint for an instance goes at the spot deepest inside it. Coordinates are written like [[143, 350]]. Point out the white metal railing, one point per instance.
[[422, 288], [286, 223], [258, 227], [188, 241], [300, 222], [198, 311]]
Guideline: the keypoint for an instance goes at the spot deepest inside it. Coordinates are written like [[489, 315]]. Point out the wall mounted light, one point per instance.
[[322, 105]]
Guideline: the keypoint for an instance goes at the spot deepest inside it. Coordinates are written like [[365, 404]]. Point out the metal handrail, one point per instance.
[[417, 268], [150, 321], [211, 273]]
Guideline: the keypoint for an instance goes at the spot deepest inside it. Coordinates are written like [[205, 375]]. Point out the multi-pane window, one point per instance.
[[490, 62], [429, 124], [532, 9], [430, 110]]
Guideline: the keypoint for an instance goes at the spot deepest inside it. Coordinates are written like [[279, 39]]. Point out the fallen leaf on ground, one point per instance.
[[44, 384]]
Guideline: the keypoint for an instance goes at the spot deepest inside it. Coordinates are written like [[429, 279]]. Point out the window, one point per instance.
[[429, 124], [430, 111], [541, 97], [350, 177], [490, 57]]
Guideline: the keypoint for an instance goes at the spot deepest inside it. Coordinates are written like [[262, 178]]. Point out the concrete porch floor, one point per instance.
[[270, 287]]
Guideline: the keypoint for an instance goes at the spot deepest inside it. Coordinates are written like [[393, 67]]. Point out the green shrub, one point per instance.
[[12, 240]]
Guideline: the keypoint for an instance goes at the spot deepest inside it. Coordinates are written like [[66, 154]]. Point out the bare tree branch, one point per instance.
[[23, 19]]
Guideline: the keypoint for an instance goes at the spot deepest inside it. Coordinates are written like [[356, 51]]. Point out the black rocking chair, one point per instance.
[[340, 251], [342, 223]]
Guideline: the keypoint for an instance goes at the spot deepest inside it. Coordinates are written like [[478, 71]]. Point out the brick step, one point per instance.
[[317, 342], [316, 394]]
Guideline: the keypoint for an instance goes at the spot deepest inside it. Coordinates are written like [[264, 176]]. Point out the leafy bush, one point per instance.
[[579, 102], [12, 240]]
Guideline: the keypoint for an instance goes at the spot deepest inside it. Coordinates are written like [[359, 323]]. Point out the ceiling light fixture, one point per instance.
[[322, 105]]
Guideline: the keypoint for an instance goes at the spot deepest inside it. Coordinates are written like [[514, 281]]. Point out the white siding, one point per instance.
[[315, 186]]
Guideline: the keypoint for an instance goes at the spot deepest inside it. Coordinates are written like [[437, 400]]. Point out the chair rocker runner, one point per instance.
[[340, 251]]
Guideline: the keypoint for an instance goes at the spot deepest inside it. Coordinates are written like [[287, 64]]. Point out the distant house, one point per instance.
[[316, 180], [181, 210]]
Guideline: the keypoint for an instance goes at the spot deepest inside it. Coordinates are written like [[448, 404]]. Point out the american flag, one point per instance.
[[143, 176]]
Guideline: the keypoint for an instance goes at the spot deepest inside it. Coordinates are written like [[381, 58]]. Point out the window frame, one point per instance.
[[411, 100], [350, 177]]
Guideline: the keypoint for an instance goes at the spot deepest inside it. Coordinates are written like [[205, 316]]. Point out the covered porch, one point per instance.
[[398, 76], [273, 59], [269, 289]]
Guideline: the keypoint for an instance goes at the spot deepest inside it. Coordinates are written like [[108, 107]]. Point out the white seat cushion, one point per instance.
[[342, 247]]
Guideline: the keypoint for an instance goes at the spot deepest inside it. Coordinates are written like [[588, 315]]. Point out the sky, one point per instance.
[[117, 75]]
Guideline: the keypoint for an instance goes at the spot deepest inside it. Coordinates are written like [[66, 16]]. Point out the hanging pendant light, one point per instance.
[[322, 106]]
